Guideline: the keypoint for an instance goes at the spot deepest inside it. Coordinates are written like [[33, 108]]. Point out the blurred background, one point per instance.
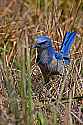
[[24, 100]]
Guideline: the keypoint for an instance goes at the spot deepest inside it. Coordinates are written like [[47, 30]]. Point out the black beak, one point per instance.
[[36, 46]]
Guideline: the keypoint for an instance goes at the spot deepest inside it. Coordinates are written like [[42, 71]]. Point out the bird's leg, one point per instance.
[[46, 78]]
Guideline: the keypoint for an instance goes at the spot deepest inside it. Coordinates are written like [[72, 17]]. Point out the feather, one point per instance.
[[67, 43]]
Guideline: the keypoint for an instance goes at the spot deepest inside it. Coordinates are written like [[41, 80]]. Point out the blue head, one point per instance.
[[42, 42]]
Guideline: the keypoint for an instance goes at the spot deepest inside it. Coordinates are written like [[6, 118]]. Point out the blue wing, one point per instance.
[[53, 55]]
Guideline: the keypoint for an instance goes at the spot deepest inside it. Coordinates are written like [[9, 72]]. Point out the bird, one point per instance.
[[50, 61]]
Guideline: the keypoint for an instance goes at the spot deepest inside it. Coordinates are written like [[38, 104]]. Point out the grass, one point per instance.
[[26, 102]]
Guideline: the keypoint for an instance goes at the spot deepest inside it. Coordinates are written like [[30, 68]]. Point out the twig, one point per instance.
[[77, 10], [79, 120]]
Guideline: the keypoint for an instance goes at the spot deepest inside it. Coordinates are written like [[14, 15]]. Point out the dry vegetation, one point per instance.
[[24, 99]]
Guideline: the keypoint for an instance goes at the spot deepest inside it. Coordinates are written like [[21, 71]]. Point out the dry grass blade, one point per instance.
[[80, 121], [60, 101]]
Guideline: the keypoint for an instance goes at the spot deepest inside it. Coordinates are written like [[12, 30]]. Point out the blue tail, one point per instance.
[[66, 45]]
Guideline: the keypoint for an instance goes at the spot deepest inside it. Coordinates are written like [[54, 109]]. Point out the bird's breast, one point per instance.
[[43, 57]]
